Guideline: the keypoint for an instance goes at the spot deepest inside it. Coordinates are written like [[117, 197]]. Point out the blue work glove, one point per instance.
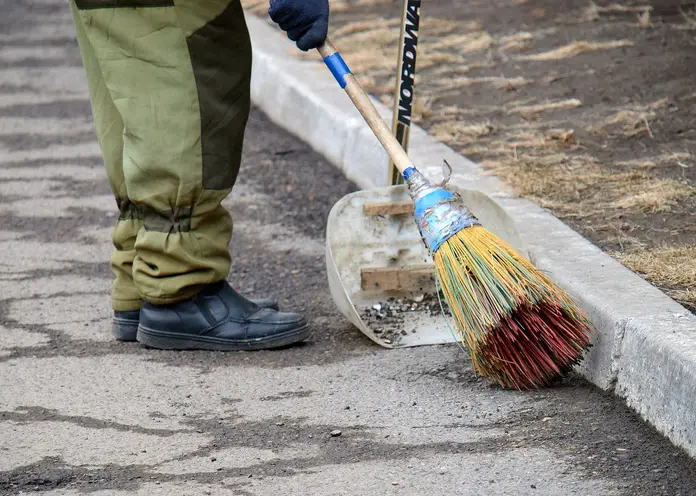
[[305, 21]]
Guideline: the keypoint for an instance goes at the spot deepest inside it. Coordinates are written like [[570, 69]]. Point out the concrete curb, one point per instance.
[[646, 349]]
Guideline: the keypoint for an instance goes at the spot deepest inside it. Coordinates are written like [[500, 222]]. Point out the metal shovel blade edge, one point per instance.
[[355, 241]]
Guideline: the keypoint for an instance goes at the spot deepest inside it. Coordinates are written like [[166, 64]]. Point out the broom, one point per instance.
[[521, 329]]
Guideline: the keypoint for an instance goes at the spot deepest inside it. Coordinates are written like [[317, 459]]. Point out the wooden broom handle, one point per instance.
[[369, 112]]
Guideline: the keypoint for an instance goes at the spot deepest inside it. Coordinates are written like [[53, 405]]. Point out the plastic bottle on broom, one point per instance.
[[521, 329]]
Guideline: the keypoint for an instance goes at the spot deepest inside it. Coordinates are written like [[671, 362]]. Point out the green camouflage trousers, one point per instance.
[[169, 87]]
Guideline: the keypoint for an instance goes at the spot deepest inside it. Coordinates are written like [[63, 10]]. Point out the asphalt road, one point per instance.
[[82, 414]]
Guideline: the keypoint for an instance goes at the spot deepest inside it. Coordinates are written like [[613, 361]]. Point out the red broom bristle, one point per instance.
[[532, 347]]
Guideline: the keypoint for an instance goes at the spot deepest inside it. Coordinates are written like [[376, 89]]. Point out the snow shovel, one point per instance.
[[380, 273]]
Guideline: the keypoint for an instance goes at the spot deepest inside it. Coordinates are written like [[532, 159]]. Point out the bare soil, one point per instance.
[[584, 108]]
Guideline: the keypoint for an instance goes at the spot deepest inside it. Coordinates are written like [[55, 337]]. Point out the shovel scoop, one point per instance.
[[381, 275]]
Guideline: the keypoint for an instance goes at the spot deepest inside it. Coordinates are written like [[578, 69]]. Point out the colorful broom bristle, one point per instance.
[[522, 330], [532, 347], [486, 280]]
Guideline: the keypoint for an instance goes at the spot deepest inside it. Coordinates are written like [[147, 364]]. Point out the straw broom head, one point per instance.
[[522, 330]]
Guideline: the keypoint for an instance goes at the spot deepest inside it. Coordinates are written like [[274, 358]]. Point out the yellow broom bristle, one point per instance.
[[520, 327], [487, 276]]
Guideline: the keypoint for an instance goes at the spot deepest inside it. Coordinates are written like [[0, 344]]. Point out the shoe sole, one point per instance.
[[174, 341], [124, 329]]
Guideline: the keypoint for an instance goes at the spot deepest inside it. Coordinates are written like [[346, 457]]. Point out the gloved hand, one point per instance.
[[305, 21]]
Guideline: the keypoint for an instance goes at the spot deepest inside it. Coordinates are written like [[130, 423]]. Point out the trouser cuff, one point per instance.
[[181, 295], [126, 305]]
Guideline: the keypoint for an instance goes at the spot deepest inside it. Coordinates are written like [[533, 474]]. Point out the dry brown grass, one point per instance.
[[594, 12], [461, 132], [615, 7], [446, 73], [422, 107], [428, 60], [542, 167], [532, 142], [543, 170], [689, 18], [669, 266], [365, 61], [545, 107], [657, 195], [516, 42], [644, 20], [576, 48], [338, 6], [632, 121], [470, 40], [372, 2], [553, 181], [433, 26], [448, 84], [542, 162], [376, 23], [681, 159], [466, 43], [372, 39]]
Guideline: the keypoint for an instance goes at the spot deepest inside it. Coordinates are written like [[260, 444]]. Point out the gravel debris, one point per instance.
[[386, 318]]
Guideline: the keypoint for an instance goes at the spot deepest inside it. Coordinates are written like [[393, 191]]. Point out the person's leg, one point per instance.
[[109, 128], [183, 126], [178, 74]]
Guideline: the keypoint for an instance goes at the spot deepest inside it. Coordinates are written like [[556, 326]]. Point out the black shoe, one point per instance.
[[218, 318], [124, 325]]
